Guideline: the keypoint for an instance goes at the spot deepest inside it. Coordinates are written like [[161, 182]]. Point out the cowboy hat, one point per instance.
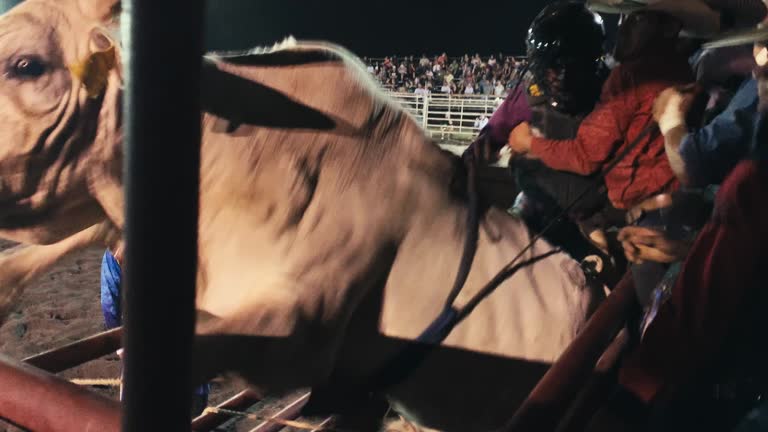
[[757, 32], [697, 17], [741, 37], [615, 6]]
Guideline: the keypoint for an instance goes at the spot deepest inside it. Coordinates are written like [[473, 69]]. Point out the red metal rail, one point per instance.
[[34, 399], [596, 392], [549, 401], [38, 401], [77, 353]]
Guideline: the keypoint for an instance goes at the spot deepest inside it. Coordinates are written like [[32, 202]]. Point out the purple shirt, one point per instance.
[[513, 111]]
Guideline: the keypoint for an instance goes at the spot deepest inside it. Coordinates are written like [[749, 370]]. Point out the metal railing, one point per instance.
[[449, 117], [161, 207], [458, 59]]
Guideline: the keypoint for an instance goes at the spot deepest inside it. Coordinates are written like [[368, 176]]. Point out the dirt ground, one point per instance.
[[63, 307]]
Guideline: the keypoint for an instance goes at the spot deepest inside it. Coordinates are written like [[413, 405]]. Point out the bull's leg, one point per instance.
[[22, 264]]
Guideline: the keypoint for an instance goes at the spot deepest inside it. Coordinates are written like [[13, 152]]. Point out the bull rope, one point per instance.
[[107, 382], [288, 423], [116, 382]]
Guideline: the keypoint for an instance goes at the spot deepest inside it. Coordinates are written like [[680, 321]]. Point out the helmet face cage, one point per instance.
[[570, 87], [565, 52]]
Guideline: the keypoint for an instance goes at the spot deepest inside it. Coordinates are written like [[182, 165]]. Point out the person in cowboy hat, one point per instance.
[[650, 60], [705, 155], [702, 156], [700, 18], [701, 362]]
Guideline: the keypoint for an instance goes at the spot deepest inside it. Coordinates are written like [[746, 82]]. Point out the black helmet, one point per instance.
[[565, 46]]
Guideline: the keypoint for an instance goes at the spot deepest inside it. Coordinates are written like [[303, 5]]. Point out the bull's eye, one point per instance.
[[27, 68]]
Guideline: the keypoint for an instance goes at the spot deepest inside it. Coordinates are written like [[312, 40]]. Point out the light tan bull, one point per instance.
[[328, 233]]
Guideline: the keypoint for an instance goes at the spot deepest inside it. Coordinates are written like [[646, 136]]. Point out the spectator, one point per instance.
[[483, 121], [499, 89], [408, 73], [448, 77], [454, 67], [447, 128], [485, 86]]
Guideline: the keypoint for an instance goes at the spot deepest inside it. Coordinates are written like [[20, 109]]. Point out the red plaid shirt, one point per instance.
[[625, 109]]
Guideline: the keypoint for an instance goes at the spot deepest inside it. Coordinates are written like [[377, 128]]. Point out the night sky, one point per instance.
[[373, 28], [377, 28]]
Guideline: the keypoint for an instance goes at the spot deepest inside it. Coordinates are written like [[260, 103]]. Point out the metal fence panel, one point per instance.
[[163, 41]]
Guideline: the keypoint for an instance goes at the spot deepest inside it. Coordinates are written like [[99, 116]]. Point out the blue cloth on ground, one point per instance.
[[111, 278]]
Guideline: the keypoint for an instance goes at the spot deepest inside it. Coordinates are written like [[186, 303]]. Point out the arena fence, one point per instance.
[[449, 117], [451, 59]]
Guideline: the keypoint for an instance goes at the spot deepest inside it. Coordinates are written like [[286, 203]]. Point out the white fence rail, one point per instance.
[[449, 117]]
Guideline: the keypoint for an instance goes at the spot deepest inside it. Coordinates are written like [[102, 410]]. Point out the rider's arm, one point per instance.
[[601, 132]]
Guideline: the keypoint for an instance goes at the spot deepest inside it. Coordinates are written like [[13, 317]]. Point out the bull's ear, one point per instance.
[[93, 71], [102, 10]]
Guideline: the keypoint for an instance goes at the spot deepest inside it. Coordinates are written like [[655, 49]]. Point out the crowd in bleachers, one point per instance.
[[487, 75]]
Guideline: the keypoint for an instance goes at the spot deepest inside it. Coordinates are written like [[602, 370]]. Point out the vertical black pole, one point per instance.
[[163, 54]]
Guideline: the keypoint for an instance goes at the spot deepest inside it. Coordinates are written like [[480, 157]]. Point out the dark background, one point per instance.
[[379, 28], [374, 28]]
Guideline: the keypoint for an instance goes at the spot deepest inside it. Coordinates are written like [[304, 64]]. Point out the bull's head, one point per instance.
[[60, 131]]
